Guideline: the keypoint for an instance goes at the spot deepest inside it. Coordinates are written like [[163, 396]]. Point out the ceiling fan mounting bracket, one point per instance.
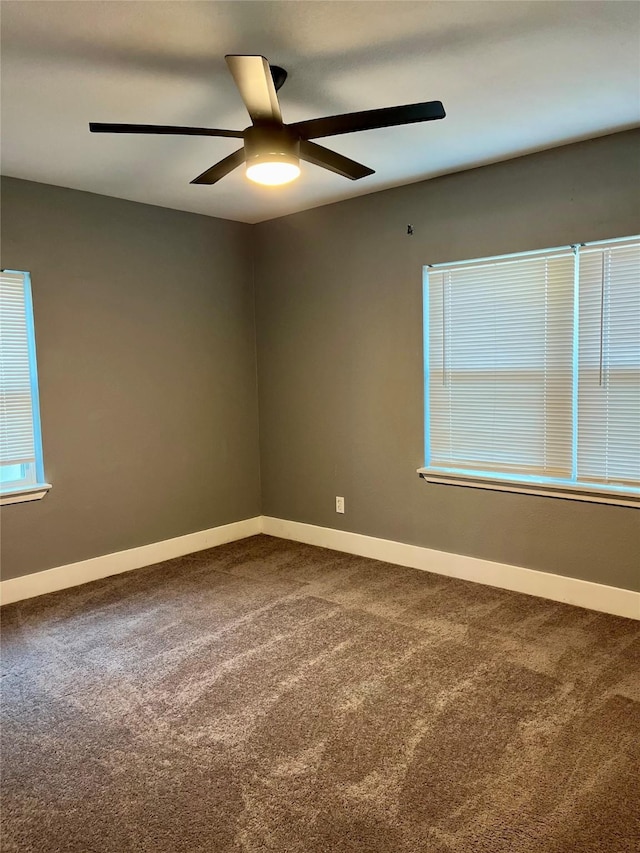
[[279, 75]]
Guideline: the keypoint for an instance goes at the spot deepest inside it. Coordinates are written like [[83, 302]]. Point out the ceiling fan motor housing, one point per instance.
[[271, 143]]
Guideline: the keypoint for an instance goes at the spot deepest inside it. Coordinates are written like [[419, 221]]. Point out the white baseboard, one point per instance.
[[74, 574], [594, 596]]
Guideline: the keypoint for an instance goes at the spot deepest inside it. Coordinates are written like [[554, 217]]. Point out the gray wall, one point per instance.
[[146, 349], [339, 317], [145, 337]]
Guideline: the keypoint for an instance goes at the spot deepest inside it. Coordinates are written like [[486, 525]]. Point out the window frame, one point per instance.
[[573, 488], [33, 485]]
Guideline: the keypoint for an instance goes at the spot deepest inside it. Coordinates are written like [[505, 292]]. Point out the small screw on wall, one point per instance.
[[410, 230]]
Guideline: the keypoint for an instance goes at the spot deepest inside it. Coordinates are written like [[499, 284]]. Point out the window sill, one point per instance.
[[575, 493], [30, 493]]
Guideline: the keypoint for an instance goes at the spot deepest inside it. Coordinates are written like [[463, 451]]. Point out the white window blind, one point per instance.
[[500, 355], [533, 367], [609, 364], [20, 443]]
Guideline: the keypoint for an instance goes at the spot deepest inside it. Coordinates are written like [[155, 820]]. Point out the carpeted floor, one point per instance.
[[271, 696]]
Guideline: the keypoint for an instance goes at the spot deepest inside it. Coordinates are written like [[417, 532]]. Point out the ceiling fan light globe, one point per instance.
[[273, 173]]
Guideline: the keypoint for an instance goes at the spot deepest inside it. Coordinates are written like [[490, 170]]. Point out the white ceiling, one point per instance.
[[514, 77]]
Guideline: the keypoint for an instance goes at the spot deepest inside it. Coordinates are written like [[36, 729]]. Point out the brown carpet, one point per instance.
[[270, 696]]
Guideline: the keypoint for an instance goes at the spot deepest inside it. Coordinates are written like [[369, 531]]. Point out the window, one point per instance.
[[532, 372], [21, 467]]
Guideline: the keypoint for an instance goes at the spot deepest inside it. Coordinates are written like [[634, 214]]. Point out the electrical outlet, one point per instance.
[[339, 504]]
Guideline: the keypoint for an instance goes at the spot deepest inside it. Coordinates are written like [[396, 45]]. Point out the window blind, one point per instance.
[[500, 365], [17, 372], [533, 369], [609, 364]]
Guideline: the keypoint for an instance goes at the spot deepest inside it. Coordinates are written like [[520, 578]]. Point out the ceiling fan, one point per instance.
[[272, 149]]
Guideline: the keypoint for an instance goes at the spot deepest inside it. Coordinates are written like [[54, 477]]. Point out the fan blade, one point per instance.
[[98, 127], [368, 120], [333, 161], [253, 78], [213, 175]]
